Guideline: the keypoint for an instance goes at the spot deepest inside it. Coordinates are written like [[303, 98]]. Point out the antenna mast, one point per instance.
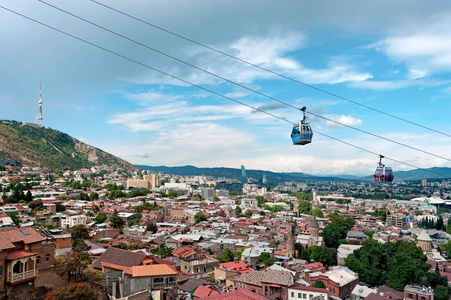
[[39, 116]]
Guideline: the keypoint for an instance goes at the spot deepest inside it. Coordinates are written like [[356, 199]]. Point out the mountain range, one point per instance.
[[274, 178]]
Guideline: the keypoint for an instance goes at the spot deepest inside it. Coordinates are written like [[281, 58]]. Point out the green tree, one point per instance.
[[319, 284], [317, 212], [442, 292], [331, 235], [238, 210], [447, 247], [93, 196], [248, 213], [36, 205], [79, 232], [14, 215], [152, 227], [261, 200], [116, 221], [322, 255], [29, 197], [163, 251], [304, 207], [200, 217], [226, 256], [265, 258], [101, 217]]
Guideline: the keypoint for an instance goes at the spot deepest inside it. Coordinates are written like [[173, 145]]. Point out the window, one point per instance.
[[292, 294], [1, 271], [304, 296], [38, 261], [47, 258], [299, 295]]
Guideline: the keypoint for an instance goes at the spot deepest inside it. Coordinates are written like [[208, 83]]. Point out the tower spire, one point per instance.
[[39, 116]]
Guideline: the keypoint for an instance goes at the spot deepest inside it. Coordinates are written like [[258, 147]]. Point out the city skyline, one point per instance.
[[392, 57]]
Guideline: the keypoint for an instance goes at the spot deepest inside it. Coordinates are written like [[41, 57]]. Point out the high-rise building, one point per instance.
[[243, 175]]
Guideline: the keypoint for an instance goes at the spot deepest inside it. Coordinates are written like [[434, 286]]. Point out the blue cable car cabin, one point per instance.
[[302, 133], [383, 174]]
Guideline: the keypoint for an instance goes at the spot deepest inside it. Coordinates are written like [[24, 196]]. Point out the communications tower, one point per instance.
[[39, 116]]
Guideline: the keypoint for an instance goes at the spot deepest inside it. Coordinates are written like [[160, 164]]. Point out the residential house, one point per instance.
[[270, 283], [340, 281], [299, 292], [226, 273], [199, 267], [23, 253]]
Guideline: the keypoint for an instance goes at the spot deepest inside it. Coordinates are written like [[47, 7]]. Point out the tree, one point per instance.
[[226, 256], [261, 200], [72, 291], [101, 217], [152, 227], [79, 233], [447, 246], [14, 215], [216, 198], [265, 258], [442, 293], [317, 212], [29, 197], [248, 213], [303, 207], [238, 210], [331, 235], [36, 205], [319, 284], [322, 255], [60, 207], [200, 217], [163, 251], [93, 196], [116, 221]]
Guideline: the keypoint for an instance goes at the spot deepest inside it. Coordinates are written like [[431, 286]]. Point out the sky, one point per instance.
[[393, 56]]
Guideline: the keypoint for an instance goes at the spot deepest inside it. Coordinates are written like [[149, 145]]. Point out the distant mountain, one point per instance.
[[31, 145], [275, 178], [418, 174], [271, 177]]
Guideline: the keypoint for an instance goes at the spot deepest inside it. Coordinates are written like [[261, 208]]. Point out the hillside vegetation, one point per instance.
[[51, 149]]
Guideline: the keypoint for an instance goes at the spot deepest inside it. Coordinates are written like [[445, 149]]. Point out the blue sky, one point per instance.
[[394, 57]]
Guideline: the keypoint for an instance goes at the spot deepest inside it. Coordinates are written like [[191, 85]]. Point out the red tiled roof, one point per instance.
[[239, 294], [27, 235], [19, 254], [153, 270], [119, 257], [204, 291]]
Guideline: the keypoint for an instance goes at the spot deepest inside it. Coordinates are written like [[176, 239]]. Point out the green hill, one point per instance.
[[50, 149]]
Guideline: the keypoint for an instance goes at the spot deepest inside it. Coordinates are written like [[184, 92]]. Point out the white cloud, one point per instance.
[[390, 85], [345, 120]]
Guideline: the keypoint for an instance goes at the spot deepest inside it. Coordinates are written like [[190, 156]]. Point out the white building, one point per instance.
[[306, 292], [70, 221]]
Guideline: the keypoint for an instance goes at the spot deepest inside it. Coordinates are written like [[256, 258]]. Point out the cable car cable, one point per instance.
[[235, 83], [200, 87], [269, 70]]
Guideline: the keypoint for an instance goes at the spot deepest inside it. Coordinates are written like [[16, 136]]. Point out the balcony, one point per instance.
[[13, 278], [163, 284]]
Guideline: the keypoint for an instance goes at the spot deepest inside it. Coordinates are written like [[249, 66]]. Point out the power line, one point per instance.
[[235, 83], [200, 87], [270, 71]]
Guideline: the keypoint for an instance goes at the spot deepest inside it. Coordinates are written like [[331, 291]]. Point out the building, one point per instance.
[[71, 221], [250, 255], [199, 267], [157, 281], [340, 281], [243, 178], [418, 292], [298, 292], [424, 241], [398, 220], [227, 272], [23, 254], [343, 252], [270, 283], [356, 237]]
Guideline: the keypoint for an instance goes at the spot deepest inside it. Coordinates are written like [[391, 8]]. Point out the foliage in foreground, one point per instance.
[[72, 291]]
